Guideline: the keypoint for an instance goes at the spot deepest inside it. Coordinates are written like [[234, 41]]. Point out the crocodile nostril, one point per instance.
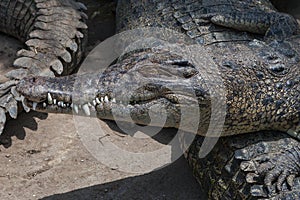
[[33, 79]]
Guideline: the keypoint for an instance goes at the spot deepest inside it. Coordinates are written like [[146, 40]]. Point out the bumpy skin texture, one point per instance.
[[54, 33], [228, 172], [261, 81]]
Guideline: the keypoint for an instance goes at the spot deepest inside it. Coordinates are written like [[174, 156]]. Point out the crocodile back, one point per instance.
[[17, 17], [188, 17]]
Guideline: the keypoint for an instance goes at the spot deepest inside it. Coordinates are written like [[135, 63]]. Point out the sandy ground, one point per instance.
[[42, 156]]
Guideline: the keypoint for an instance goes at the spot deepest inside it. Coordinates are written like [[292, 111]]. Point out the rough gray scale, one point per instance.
[[255, 49], [55, 34]]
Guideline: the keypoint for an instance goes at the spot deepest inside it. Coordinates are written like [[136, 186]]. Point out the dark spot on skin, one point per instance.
[[259, 116], [255, 86], [277, 68], [189, 73], [289, 83], [33, 79], [271, 57], [258, 95], [200, 40], [279, 85], [279, 103], [235, 93], [268, 100], [242, 111], [266, 55], [259, 75], [181, 63], [241, 82], [231, 79]]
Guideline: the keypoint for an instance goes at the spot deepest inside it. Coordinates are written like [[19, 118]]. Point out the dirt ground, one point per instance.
[[42, 156]]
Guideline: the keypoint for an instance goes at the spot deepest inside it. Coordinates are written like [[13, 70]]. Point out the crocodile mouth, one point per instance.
[[47, 94], [51, 102], [146, 82]]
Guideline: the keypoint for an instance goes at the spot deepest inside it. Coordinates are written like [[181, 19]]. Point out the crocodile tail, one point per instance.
[[55, 35]]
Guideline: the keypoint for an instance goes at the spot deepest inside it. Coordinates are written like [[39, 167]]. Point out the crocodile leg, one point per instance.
[[234, 176], [276, 163], [54, 33]]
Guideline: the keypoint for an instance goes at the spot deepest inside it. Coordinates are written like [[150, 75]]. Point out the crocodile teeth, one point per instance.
[[106, 99], [89, 104], [94, 102], [113, 100], [98, 101], [26, 108], [102, 99], [54, 101], [44, 105], [75, 108], [34, 104], [49, 98], [86, 109]]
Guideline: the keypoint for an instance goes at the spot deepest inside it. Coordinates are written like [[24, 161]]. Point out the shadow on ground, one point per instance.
[[171, 182], [13, 129]]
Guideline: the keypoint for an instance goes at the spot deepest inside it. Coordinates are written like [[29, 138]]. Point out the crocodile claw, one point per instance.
[[2, 119], [282, 168], [271, 166]]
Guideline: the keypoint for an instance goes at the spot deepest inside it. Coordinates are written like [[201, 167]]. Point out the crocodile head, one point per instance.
[[142, 86]]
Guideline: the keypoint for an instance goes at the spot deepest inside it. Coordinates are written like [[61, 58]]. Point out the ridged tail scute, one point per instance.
[[55, 35], [55, 42]]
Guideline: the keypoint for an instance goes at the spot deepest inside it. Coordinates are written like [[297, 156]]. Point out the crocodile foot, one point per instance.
[[271, 167]]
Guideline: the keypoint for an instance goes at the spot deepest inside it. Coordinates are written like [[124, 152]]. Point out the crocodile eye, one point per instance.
[[272, 57], [277, 68], [230, 64]]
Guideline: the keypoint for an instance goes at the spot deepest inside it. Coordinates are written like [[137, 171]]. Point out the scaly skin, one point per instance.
[[261, 79], [228, 172], [54, 33], [272, 99]]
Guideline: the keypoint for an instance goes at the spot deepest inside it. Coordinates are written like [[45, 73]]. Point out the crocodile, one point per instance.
[[257, 55], [54, 33]]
